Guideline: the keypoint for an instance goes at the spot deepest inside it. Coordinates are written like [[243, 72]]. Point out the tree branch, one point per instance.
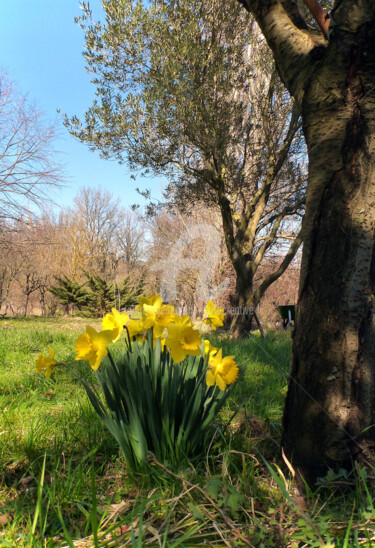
[[290, 44], [283, 266], [319, 15]]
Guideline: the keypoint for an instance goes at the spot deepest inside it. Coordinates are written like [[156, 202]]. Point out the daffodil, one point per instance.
[[165, 315], [136, 329], [213, 315], [209, 349], [154, 312], [222, 371], [202, 326], [46, 362], [152, 300], [149, 306], [183, 339], [92, 346], [115, 322], [159, 333]]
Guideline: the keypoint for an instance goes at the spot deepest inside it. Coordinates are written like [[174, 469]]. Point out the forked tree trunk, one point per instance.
[[329, 416], [243, 318], [244, 310], [248, 298]]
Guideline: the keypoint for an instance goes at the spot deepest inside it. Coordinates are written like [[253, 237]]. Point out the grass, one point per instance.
[[63, 482]]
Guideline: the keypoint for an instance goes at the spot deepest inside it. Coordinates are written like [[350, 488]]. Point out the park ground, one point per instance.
[[64, 483]]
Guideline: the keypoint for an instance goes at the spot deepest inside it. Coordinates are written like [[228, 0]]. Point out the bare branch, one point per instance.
[[27, 166], [283, 266], [319, 15]]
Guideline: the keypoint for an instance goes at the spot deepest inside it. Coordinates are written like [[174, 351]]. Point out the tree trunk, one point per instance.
[[27, 296], [241, 323], [243, 307], [329, 415], [43, 303]]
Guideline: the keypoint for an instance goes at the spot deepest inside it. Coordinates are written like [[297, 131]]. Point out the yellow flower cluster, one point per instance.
[[177, 333]]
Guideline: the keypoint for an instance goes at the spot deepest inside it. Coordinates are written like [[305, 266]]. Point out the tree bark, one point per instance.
[[329, 415], [331, 398], [27, 296], [244, 307]]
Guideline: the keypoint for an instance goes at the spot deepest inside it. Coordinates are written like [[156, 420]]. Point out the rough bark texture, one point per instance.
[[241, 321], [330, 407]]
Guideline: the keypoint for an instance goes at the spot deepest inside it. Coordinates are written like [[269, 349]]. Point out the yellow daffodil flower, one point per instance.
[[152, 300], [182, 339], [222, 371], [136, 329], [165, 315], [158, 331], [213, 315], [92, 346], [154, 312], [202, 327], [46, 362], [209, 349], [149, 306], [115, 322]]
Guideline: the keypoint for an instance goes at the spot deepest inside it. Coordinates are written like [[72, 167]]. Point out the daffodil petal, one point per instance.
[[210, 378], [220, 382]]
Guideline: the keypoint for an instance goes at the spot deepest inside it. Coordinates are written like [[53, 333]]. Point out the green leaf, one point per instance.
[[213, 488]]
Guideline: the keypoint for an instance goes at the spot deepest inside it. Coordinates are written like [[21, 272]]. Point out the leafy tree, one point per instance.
[[70, 292], [330, 407], [106, 295], [129, 292], [102, 293], [188, 90]]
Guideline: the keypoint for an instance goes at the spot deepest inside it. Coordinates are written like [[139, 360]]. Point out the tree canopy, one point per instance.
[[189, 91]]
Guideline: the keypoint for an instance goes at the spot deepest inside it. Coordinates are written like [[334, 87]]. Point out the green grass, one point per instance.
[[63, 482]]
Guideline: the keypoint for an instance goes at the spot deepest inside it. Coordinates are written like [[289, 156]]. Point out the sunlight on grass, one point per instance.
[[63, 482]]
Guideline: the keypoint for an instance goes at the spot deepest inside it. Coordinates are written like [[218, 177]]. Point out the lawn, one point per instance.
[[64, 483]]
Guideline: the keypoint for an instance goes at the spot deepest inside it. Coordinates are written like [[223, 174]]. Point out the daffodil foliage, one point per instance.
[[160, 384]]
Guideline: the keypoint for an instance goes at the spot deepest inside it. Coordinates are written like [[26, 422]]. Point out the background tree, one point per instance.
[[71, 293], [28, 168], [39, 248], [330, 409], [93, 223], [174, 240], [130, 236], [10, 267], [188, 90], [106, 295], [128, 290]]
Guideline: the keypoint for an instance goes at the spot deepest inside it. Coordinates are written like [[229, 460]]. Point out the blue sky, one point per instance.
[[41, 50]]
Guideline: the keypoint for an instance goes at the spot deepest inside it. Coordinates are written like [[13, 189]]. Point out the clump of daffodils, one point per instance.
[[162, 382]]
